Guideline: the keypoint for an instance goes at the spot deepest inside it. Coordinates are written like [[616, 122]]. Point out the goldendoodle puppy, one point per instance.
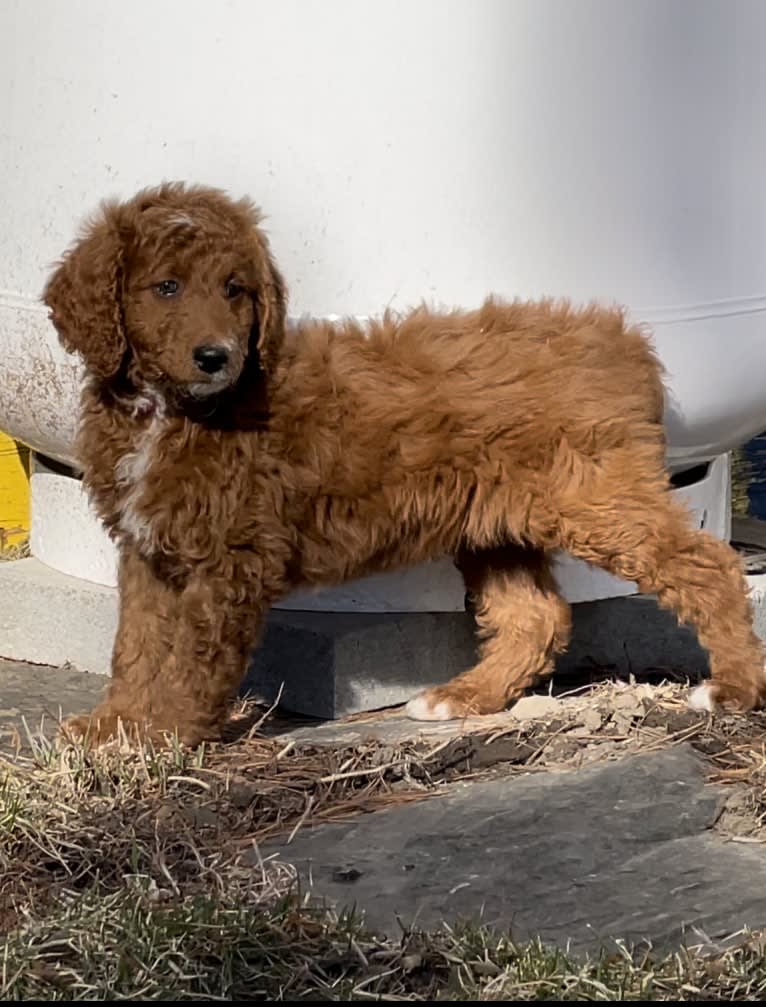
[[234, 459]]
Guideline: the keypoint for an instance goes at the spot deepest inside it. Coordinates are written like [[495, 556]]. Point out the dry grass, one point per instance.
[[122, 948], [139, 874], [741, 475], [9, 552]]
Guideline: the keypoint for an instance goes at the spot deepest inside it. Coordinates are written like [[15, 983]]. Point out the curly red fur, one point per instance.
[[333, 450]]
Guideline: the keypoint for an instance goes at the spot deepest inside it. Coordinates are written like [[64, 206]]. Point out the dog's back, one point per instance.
[[428, 389]]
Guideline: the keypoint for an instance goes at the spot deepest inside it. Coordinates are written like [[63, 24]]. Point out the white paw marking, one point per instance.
[[420, 708], [701, 699]]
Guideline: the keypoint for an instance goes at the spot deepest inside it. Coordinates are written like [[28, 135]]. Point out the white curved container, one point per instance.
[[411, 149]]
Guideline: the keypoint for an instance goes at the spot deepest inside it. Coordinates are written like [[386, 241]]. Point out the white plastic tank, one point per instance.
[[402, 150]]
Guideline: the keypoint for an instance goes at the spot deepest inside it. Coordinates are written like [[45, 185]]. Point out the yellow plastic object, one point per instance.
[[14, 493]]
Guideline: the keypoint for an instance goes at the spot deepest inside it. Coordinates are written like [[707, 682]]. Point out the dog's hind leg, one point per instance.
[[523, 623], [622, 518]]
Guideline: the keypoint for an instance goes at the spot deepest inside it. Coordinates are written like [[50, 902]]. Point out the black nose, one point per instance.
[[211, 358]]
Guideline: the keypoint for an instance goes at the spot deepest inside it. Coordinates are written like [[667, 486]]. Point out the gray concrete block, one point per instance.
[[330, 665], [758, 601], [631, 635]]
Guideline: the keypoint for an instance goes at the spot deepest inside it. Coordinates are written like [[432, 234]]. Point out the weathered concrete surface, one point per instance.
[[33, 693], [619, 851], [47, 617]]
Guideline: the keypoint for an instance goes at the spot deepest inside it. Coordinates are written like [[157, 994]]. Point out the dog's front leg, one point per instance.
[[179, 656], [148, 613], [219, 620]]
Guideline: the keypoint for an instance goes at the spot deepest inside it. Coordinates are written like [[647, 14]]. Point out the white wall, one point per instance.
[[409, 149], [420, 148]]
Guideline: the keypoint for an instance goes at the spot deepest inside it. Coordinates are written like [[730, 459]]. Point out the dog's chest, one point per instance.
[[173, 491], [132, 475]]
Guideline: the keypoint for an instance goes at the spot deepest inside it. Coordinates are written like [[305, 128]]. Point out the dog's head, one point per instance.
[[177, 285]]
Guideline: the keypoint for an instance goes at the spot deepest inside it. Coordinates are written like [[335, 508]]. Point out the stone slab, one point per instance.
[[40, 696], [622, 851]]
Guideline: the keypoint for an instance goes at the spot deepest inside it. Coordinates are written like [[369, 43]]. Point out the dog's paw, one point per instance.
[[94, 730], [453, 701], [97, 729], [427, 706], [710, 697], [701, 699], [102, 727]]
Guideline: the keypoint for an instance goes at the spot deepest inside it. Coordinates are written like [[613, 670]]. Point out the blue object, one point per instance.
[[755, 455]]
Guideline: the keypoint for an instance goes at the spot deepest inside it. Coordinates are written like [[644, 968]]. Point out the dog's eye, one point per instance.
[[233, 289], [167, 288]]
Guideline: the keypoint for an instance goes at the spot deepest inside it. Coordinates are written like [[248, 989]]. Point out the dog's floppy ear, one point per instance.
[[84, 295], [272, 310], [270, 296]]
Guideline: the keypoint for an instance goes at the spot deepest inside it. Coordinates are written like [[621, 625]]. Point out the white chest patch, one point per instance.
[[130, 475]]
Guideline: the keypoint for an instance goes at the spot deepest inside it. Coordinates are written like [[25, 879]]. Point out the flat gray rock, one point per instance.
[[620, 851], [39, 695]]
